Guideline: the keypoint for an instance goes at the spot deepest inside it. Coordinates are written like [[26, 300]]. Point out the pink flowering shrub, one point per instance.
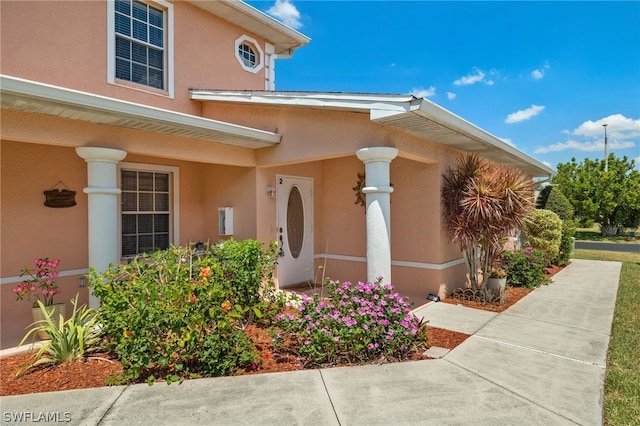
[[356, 323], [40, 281]]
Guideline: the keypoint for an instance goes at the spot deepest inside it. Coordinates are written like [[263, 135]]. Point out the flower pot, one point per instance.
[[496, 284], [58, 309]]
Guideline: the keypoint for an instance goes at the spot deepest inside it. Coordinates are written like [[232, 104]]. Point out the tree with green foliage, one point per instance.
[[611, 197], [543, 229], [552, 198]]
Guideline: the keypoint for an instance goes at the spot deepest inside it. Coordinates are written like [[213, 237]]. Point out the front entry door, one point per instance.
[[295, 229]]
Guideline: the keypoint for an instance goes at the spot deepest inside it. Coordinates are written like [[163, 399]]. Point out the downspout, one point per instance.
[[272, 66]]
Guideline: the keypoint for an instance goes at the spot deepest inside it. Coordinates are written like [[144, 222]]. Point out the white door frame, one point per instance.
[[293, 270]]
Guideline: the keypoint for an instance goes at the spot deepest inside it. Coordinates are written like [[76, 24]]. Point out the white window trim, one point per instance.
[[174, 187], [260, 54], [111, 51]]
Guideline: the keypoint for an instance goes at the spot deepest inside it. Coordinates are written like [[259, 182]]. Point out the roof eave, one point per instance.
[[30, 96], [284, 38], [433, 122], [406, 112], [362, 102]]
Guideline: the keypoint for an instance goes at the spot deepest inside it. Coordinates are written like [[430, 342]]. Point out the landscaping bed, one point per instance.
[[96, 372], [223, 327]]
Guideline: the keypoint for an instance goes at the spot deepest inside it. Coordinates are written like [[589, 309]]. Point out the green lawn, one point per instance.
[[594, 234], [622, 383]]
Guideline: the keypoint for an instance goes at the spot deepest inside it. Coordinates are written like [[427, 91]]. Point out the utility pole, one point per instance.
[[606, 157]]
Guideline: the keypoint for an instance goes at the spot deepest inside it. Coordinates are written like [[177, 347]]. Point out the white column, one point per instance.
[[378, 193], [103, 191]]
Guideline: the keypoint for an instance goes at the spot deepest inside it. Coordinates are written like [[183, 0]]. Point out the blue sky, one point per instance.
[[544, 76]]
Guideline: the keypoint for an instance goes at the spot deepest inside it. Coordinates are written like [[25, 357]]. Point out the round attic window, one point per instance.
[[249, 54]]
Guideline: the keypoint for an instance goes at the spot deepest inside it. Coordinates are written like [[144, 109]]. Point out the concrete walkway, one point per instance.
[[542, 361]]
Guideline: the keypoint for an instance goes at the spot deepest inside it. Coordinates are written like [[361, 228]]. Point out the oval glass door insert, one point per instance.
[[295, 222]]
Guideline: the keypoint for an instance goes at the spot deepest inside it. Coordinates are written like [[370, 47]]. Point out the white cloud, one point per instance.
[[618, 127], [475, 77], [507, 141], [589, 146], [451, 95], [478, 76], [622, 133], [539, 73], [548, 164], [525, 114], [286, 12], [422, 92]]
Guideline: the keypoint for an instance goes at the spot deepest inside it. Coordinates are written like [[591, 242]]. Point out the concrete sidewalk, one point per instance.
[[542, 361]]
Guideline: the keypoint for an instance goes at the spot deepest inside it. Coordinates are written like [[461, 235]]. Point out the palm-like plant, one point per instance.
[[482, 204]]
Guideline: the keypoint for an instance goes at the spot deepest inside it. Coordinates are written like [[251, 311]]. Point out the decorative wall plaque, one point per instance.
[[57, 198], [360, 197]]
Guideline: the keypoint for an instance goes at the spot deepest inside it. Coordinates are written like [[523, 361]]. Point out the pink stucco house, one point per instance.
[[163, 117]]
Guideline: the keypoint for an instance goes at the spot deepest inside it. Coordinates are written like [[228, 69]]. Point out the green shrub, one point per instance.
[[70, 339], [566, 243], [177, 313], [543, 229], [525, 268], [356, 323], [586, 223], [552, 198]]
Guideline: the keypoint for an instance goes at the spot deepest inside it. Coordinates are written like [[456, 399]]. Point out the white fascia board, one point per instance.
[[268, 20], [347, 101], [89, 101], [460, 125], [284, 38]]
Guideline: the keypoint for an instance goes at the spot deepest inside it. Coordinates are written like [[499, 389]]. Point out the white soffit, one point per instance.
[[435, 123], [283, 37], [420, 117], [39, 98]]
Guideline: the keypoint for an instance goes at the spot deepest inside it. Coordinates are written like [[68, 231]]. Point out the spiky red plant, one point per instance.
[[481, 204]]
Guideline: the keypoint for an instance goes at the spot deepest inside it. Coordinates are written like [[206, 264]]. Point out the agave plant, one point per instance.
[[481, 205], [70, 339]]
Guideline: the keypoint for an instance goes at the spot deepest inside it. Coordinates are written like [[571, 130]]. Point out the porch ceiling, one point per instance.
[[420, 117], [29, 96]]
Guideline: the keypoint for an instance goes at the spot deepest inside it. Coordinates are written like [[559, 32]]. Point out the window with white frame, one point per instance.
[[249, 54], [146, 216], [140, 43]]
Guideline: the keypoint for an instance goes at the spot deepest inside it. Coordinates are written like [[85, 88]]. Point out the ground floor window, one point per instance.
[[146, 215]]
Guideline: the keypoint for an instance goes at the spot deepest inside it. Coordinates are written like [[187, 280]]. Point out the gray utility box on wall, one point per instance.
[[225, 221]]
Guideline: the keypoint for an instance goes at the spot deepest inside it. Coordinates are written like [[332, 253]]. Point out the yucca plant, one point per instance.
[[482, 203], [70, 339]]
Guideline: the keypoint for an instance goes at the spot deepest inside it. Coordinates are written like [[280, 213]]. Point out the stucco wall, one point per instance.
[[34, 40], [29, 229]]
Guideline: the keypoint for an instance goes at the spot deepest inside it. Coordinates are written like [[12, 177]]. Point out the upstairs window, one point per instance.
[[249, 54], [140, 44], [139, 30]]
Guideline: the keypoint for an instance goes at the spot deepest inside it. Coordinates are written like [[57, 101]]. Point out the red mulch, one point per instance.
[[513, 294], [95, 372]]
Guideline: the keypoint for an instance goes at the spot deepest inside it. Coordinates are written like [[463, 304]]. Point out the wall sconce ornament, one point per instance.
[[360, 197], [271, 191], [59, 198]]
